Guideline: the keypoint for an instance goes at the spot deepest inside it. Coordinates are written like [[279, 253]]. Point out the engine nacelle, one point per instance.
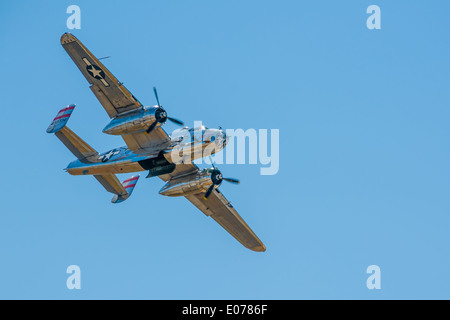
[[198, 182], [133, 122]]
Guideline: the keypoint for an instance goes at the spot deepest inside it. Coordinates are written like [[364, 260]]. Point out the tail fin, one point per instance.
[[61, 119], [128, 185]]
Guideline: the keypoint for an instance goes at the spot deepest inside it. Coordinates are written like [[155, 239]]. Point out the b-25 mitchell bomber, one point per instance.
[[148, 148]]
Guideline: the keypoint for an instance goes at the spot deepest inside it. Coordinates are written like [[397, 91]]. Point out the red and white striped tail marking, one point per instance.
[[61, 119], [130, 183]]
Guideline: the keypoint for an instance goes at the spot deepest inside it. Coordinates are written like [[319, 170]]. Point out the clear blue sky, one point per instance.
[[364, 150]]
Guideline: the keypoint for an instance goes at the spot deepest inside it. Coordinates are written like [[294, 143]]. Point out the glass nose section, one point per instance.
[[221, 138]]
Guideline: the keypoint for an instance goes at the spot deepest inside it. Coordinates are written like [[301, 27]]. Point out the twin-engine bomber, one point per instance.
[[148, 148]]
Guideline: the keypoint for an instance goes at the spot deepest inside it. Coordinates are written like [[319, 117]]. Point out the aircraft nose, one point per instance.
[[225, 137]]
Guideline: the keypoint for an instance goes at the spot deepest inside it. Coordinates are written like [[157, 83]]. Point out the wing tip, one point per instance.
[[67, 38], [260, 248]]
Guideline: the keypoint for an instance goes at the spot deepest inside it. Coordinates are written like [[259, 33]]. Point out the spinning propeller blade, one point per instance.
[[176, 121], [151, 127], [156, 96], [208, 192], [232, 180], [161, 117]]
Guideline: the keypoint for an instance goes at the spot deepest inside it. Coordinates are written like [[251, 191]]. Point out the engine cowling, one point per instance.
[[135, 121], [198, 182]]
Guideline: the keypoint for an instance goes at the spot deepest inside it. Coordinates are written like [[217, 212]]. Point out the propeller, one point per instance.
[[216, 178], [232, 180], [161, 115]]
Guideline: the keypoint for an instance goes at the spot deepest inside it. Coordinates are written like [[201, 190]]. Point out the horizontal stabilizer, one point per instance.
[[83, 151], [128, 185], [61, 119]]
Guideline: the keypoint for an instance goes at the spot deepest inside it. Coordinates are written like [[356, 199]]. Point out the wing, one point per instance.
[[111, 93], [180, 170], [114, 97], [144, 142], [221, 210]]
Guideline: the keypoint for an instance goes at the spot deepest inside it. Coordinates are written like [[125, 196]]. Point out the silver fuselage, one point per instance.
[[186, 146]]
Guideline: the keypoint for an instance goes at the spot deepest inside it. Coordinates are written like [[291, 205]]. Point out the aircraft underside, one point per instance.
[[148, 148]]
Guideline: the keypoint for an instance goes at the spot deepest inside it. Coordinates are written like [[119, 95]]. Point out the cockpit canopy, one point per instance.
[[183, 131], [201, 133], [202, 128]]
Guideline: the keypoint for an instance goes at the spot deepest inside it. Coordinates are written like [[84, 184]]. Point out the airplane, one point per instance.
[[148, 148]]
